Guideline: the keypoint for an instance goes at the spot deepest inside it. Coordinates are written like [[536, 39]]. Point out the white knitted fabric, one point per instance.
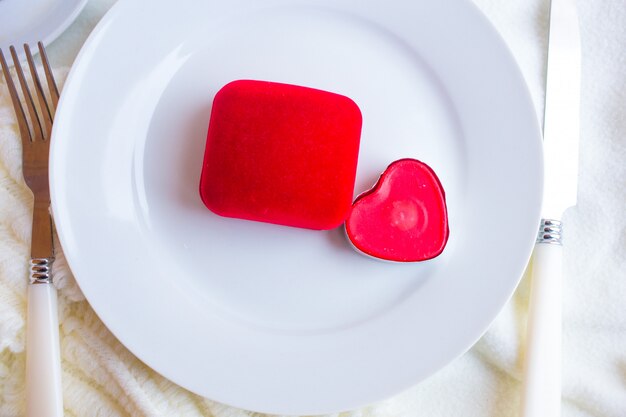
[[101, 378]]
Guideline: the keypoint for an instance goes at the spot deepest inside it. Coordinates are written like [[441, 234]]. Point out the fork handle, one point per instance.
[[44, 394], [542, 373]]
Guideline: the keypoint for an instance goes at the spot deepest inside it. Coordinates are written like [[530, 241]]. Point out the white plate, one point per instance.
[[29, 21], [280, 319]]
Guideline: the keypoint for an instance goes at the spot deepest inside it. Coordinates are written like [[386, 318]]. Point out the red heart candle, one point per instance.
[[403, 217], [282, 154]]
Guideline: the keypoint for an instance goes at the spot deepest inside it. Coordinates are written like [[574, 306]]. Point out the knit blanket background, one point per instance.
[[102, 378]]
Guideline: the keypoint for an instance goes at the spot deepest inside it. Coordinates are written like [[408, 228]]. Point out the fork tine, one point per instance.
[[17, 105], [45, 112], [52, 86], [30, 104]]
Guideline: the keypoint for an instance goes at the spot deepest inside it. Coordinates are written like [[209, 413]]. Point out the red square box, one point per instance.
[[281, 154]]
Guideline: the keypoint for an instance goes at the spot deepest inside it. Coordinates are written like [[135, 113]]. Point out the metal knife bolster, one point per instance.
[[550, 232]]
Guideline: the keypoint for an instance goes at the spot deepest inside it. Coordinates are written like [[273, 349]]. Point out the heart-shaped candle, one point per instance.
[[403, 217]]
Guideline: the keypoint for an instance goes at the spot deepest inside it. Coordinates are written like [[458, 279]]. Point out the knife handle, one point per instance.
[[542, 373], [44, 394]]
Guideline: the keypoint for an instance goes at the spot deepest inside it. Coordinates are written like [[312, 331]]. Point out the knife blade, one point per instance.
[[561, 124], [542, 371]]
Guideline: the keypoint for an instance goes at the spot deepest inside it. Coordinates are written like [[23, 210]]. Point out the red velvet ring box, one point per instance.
[[281, 154]]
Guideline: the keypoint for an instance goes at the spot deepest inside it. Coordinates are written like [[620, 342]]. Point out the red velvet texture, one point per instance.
[[281, 154], [404, 217]]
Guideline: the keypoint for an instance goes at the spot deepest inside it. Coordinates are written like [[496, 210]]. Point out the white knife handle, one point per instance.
[[542, 373], [44, 394]]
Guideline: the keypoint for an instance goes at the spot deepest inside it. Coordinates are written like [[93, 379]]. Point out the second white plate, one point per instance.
[[23, 21]]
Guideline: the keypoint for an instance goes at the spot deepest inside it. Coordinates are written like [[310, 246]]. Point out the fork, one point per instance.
[[43, 365]]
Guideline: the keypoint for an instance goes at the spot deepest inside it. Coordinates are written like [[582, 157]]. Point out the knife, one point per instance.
[[542, 371]]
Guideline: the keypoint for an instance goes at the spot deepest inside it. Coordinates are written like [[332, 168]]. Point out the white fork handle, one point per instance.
[[542, 373], [44, 394]]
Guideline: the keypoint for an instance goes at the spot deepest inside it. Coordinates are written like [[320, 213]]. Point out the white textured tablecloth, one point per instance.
[[101, 378]]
